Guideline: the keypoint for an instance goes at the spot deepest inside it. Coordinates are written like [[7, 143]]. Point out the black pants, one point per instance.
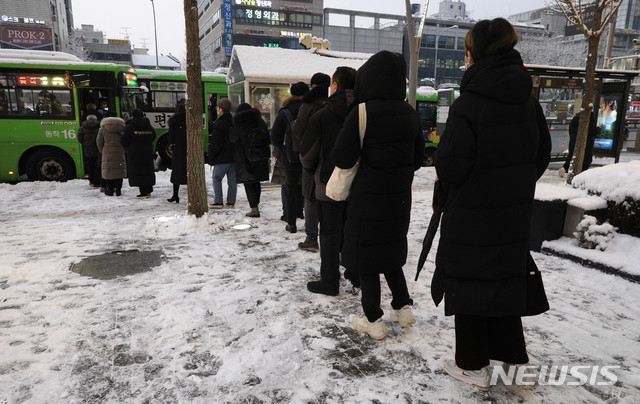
[[331, 216], [370, 287], [253, 191], [294, 194], [479, 339], [110, 185], [588, 153], [91, 168]]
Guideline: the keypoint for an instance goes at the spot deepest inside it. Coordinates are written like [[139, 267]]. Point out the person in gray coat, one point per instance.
[[114, 165]]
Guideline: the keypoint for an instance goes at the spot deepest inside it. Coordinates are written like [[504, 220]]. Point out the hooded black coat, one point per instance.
[[379, 206], [137, 140], [178, 137], [320, 137], [251, 138], [284, 145], [87, 135], [312, 102], [221, 150], [495, 146]]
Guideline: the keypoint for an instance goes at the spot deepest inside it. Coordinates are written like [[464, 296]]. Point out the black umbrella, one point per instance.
[[439, 196]]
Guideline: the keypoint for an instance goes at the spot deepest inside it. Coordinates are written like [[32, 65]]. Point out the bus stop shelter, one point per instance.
[[559, 91], [261, 76]]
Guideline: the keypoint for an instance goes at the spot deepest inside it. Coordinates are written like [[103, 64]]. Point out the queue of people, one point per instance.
[[483, 264]]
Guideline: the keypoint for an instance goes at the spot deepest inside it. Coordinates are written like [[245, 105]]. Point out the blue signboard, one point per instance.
[[228, 27]]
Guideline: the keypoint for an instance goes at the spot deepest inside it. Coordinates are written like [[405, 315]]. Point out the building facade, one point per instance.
[[90, 45], [389, 32], [553, 22], [267, 23], [452, 10], [627, 28], [36, 24]]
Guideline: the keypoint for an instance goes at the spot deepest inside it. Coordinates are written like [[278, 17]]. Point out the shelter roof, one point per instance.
[[288, 65]]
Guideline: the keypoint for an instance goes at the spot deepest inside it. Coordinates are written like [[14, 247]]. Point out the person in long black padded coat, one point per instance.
[[379, 206], [178, 138], [137, 139], [495, 146]]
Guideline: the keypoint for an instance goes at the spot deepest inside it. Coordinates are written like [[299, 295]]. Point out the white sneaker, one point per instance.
[[376, 330], [477, 378], [562, 172], [525, 373], [404, 316]]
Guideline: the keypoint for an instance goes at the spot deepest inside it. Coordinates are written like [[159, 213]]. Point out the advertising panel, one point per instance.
[[228, 27], [16, 37]]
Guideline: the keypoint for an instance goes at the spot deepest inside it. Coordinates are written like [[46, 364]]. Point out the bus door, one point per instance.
[[102, 99], [211, 110]]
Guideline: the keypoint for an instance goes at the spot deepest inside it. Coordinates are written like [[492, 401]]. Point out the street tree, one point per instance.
[[591, 17], [196, 186]]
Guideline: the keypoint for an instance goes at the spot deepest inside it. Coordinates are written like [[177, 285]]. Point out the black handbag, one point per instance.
[[536, 299]]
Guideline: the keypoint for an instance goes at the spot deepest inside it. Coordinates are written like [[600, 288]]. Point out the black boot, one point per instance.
[[352, 277], [175, 198], [309, 244], [324, 288]]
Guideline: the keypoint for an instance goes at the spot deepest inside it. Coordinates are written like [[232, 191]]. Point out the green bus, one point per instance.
[[42, 99], [163, 89], [426, 105]]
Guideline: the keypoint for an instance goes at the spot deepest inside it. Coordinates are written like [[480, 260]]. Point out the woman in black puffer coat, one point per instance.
[[178, 138], [379, 206], [137, 140], [251, 137], [495, 146]]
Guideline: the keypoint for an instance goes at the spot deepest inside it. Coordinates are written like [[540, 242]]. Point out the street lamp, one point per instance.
[[435, 61], [155, 32]]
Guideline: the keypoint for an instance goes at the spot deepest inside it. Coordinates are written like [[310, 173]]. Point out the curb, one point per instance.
[[592, 264]]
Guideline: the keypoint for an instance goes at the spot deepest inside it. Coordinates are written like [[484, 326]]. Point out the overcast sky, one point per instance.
[[119, 18]]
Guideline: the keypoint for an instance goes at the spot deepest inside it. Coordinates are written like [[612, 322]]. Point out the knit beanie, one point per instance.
[[299, 88]]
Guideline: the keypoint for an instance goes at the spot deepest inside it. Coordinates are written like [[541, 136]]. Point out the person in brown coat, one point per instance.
[[114, 165]]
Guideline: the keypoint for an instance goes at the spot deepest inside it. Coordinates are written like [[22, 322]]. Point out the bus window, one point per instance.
[[54, 103], [427, 112], [4, 102], [166, 100]]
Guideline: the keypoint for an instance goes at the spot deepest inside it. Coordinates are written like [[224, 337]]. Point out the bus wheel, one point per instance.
[[429, 157], [165, 150], [50, 165]]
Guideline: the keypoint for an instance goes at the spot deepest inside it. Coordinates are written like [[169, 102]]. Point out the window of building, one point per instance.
[[428, 41], [446, 42]]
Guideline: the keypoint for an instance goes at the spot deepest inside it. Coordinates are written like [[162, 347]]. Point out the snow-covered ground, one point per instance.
[[227, 317]]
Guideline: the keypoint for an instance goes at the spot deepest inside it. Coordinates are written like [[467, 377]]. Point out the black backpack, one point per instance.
[[288, 135]]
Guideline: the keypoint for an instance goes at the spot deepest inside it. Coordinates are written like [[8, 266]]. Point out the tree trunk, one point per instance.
[[196, 186], [587, 99]]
